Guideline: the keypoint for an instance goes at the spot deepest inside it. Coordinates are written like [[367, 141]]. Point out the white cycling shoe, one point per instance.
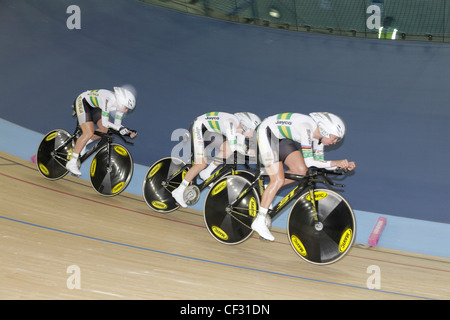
[[260, 225], [72, 166], [178, 195]]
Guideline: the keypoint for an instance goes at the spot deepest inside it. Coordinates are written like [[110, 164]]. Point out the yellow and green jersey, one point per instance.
[[222, 123], [104, 100], [296, 127]]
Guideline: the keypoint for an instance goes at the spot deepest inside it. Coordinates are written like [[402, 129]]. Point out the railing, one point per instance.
[[407, 20]]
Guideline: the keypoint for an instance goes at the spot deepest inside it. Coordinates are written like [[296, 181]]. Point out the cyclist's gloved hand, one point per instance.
[[124, 131]]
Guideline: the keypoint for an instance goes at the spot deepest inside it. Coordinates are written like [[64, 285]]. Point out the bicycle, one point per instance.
[[321, 224], [111, 168], [166, 174]]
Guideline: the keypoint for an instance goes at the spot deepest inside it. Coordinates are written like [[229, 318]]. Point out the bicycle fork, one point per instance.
[[312, 198]]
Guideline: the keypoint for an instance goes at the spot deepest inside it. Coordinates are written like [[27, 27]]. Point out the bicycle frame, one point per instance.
[[105, 138], [220, 172], [303, 183]]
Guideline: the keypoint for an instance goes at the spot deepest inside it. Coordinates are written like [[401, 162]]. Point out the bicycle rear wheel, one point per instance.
[[230, 225], [110, 180], [330, 238], [53, 153], [157, 190]]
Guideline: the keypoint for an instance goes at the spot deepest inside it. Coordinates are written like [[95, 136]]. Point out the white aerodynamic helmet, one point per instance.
[[125, 97], [248, 120], [329, 123]]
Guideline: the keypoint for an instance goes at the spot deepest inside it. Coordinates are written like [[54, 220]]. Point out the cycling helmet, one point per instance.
[[249, 121], [125, 97], [329, 123]]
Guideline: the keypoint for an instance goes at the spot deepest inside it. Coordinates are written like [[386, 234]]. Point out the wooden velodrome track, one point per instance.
[[126, 251]]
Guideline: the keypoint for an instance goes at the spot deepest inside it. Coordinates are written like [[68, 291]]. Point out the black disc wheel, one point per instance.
[[327, 236], [230, 224], [53, 153], [161, 179], [111, 170]]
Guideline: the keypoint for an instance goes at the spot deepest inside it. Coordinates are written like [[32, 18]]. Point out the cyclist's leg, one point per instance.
[[260, 224], [223, 152], [86, 119], [87, 127], [293, 159], [100, 127], [276, 175], [178, 193], [199, 160], [274, 168], [97, 118], [295, 163]]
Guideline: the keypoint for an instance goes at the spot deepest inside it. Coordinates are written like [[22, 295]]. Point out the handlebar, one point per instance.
[[323, 172], [314, 172], [114, 132]]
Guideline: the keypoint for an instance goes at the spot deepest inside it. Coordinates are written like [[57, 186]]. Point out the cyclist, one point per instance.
[[95, 106], [233, 129], [277, 138]]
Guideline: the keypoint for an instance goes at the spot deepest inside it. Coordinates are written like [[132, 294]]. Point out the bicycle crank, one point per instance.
[[191, 195]]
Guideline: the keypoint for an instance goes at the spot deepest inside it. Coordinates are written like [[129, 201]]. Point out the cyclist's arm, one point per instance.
[[318, 155], [118, 119], [311, 162], [236, 141], [117, 124], [313, 153], [230, 134]]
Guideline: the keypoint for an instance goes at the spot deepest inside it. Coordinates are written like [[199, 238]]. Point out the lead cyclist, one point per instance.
[[277, 138]]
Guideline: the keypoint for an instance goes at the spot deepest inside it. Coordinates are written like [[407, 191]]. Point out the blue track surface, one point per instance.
[[392, 94]]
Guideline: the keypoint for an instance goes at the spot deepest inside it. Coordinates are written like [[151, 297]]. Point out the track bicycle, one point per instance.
[[111, 168], [321, 224], [166, 174]]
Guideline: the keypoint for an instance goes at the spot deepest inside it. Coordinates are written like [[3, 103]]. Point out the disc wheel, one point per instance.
[[53, 152], [110, 180], [330, 237], [156, 188], [230, 225]]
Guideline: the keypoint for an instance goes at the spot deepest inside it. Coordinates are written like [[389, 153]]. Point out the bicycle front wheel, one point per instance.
[[230, 224], [161, 179], [53, 153], [111, 171], [327, 236]]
